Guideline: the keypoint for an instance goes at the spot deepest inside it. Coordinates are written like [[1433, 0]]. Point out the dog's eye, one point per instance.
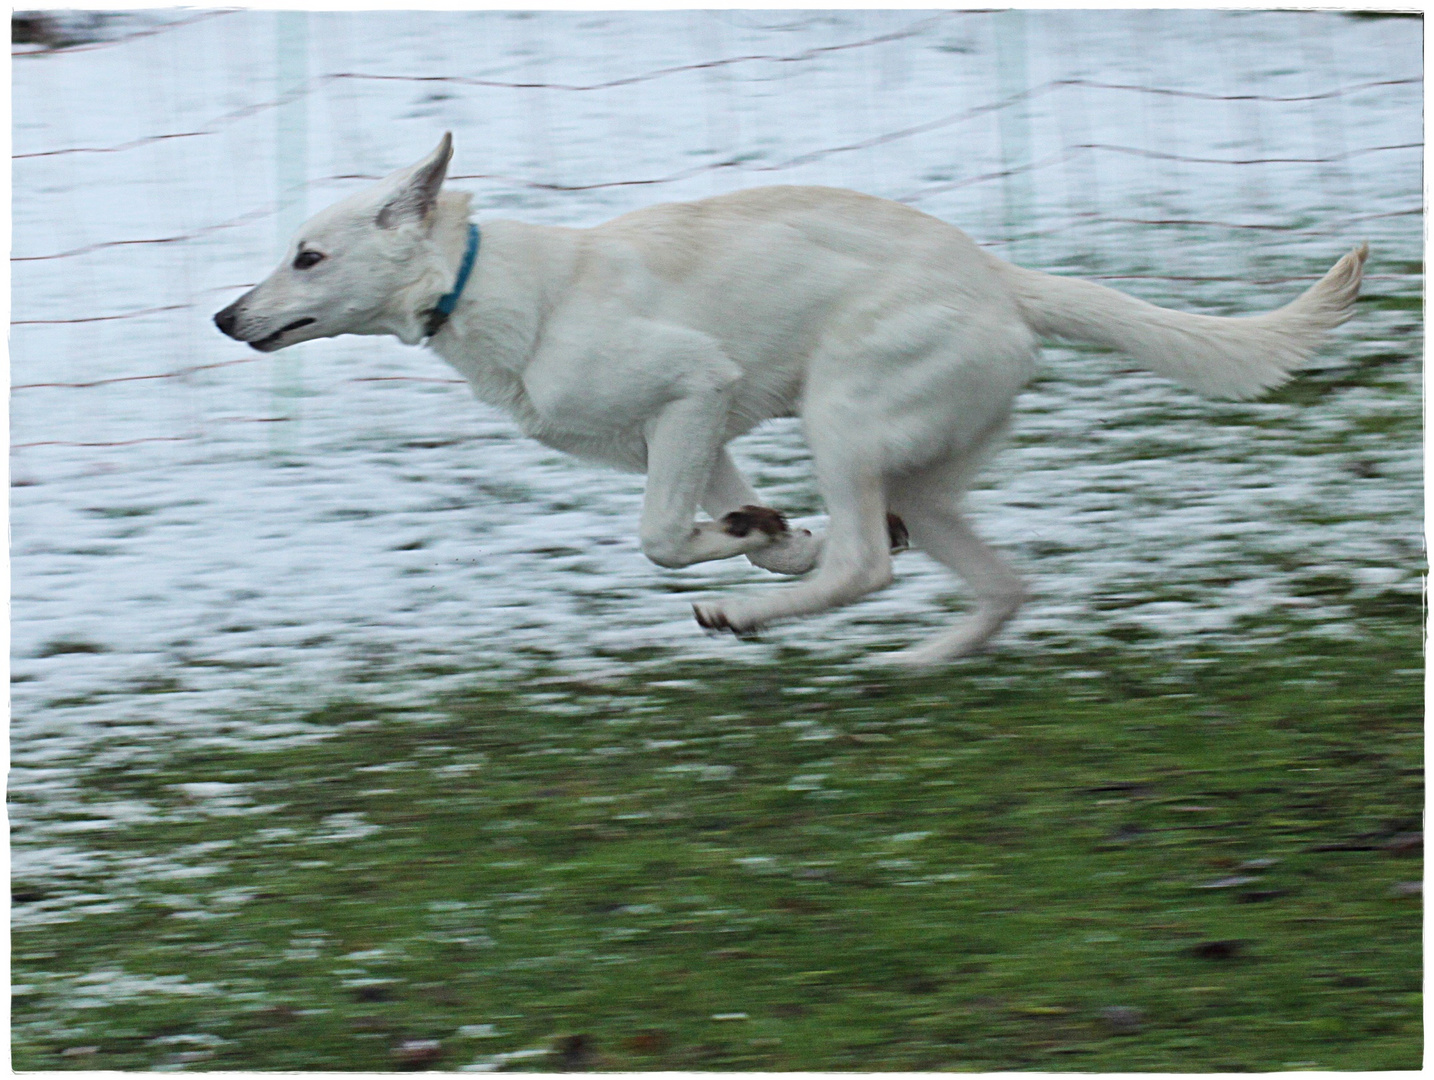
[[306, 259]]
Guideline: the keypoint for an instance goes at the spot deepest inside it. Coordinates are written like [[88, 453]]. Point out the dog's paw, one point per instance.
[[713, 618], [793, 552], [928, 655], [751, 519], [902, 660]]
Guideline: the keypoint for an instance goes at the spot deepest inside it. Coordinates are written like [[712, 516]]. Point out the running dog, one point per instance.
[[653, 340]]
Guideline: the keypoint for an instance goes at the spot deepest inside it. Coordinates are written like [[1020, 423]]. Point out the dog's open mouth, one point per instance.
[[270, 343]]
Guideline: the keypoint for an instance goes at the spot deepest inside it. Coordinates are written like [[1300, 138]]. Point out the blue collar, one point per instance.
[[446, 303]]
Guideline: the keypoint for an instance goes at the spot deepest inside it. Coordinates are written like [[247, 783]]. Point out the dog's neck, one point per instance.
[[520, 271], [439, 314], [439, 257], [450, 230]]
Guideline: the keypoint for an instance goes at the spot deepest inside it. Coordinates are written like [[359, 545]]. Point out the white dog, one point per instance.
[[651, 341]]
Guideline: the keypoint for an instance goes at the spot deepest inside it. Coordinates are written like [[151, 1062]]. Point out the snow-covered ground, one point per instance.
[[276, 530]]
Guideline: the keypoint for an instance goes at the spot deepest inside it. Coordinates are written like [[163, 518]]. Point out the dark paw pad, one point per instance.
[[761, 518], [896, 532]]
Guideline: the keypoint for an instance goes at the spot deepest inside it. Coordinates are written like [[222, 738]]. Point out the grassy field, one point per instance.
[[1113, 859], [1171, 822]]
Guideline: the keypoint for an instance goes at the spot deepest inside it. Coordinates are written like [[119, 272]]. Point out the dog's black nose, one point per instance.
[[226, 319]]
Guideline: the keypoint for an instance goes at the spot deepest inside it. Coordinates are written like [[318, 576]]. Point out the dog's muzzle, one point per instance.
[[228, 319]]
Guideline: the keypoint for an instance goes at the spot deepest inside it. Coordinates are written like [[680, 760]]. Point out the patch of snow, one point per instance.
[[342, 518]]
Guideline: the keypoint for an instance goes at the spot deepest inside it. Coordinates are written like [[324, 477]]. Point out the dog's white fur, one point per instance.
[[651, 341]]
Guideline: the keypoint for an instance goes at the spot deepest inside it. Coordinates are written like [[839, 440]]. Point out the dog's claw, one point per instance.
[[715, 621], [897, 534]]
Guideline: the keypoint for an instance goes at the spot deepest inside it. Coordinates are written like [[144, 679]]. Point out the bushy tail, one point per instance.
[[1221, 357]]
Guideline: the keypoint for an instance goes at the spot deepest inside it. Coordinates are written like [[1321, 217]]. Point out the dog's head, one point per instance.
[[363, 266]]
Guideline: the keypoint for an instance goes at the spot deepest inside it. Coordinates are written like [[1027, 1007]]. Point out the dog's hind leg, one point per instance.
[[731, 501], [930, 505], [949, 538]]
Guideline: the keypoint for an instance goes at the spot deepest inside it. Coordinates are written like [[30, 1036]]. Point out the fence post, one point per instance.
[[1015, 126], [291, 71]]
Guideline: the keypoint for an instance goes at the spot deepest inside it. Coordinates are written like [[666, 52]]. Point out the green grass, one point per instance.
[[961, 871]]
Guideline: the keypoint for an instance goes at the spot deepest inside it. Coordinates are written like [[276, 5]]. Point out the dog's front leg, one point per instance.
[[684, 443], [792, 551]]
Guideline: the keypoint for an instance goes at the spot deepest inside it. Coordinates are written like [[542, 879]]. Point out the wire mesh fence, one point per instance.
[[215, 552], [188, 510], [1188, 156]]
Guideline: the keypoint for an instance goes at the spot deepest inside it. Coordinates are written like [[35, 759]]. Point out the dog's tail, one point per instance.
[[1221, 357]]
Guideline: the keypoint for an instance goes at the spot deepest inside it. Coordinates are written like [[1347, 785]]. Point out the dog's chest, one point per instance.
[[593, 434], [493, 385]]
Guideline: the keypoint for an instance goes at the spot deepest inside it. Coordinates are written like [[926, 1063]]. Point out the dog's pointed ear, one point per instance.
[[418, 186]]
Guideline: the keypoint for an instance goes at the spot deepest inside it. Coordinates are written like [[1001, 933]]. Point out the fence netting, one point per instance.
[[1185, 156], [1212, 160]]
